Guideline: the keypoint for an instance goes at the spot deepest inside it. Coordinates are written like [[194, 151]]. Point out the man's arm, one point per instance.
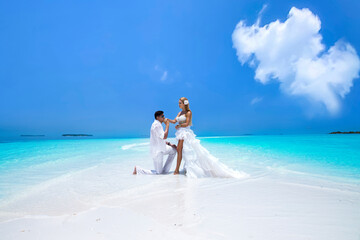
[[166, 129], [171, 145]]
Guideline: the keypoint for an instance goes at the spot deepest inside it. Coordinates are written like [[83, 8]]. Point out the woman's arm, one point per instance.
[[174, 121], [187, 123]]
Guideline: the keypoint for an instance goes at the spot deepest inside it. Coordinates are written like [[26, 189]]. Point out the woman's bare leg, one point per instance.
[[179, 156]]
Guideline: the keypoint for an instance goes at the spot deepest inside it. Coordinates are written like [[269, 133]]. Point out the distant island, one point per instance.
[[30, 135], [76, 135], [351, 132]]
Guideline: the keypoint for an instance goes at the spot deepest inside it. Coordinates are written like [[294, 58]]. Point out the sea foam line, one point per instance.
[[129, 146]]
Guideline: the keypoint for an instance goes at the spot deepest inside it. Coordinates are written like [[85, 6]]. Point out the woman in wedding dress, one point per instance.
[[198, 161]]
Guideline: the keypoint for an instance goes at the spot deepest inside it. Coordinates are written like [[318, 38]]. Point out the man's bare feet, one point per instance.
[[176, 172], [135, 171]]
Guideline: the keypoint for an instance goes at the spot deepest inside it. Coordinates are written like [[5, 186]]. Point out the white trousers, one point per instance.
[[158, 162]]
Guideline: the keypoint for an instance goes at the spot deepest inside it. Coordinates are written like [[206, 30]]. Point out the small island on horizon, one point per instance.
[[351, 132], [76, 135], [32, 135]]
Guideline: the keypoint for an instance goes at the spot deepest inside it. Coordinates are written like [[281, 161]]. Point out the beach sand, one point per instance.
[[272, 206], [85, 190]]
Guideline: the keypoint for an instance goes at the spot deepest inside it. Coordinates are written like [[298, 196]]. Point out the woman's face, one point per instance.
[[181, 105]]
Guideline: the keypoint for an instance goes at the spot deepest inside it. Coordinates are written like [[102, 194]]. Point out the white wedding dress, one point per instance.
[[198, 162]]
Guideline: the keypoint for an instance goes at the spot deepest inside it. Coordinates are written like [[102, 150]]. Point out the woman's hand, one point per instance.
[[177, 127]]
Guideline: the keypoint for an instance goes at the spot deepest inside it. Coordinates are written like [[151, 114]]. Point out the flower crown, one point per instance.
[[186, 102]]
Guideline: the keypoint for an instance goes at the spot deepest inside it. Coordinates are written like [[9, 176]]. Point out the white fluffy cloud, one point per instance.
[[292, 53]]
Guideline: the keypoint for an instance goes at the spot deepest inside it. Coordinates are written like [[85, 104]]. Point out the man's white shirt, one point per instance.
[[157, 141], [158, 149]]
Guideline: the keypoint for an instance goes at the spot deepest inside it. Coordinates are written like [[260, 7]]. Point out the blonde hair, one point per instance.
[[187, 107]]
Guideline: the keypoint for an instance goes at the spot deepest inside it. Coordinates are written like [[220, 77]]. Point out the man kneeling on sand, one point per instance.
[[159, 147]]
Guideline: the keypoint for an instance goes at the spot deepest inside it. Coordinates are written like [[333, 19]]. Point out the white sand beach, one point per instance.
[[274, 206]]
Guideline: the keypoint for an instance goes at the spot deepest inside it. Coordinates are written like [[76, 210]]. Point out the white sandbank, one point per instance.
[[273, 206]]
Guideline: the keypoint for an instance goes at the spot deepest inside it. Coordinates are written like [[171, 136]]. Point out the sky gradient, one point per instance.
[[104, 67]]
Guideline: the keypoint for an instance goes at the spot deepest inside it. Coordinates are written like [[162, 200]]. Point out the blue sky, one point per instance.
[[104, 67]]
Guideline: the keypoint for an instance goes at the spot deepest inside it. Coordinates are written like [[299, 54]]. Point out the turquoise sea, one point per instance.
[[88, 167]]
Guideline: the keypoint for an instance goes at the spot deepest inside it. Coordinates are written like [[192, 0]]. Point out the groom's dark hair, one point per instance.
[[158, 113]]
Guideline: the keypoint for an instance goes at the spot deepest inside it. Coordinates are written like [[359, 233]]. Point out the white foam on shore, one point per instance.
[[129, 146]]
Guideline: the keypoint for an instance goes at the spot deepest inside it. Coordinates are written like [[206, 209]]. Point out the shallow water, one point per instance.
[[80, 174], [323, 154]]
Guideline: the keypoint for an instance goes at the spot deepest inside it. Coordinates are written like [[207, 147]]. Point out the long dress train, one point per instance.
[[198, 162]]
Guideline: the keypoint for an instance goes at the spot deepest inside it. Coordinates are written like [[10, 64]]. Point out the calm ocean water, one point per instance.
[[25, 164]]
